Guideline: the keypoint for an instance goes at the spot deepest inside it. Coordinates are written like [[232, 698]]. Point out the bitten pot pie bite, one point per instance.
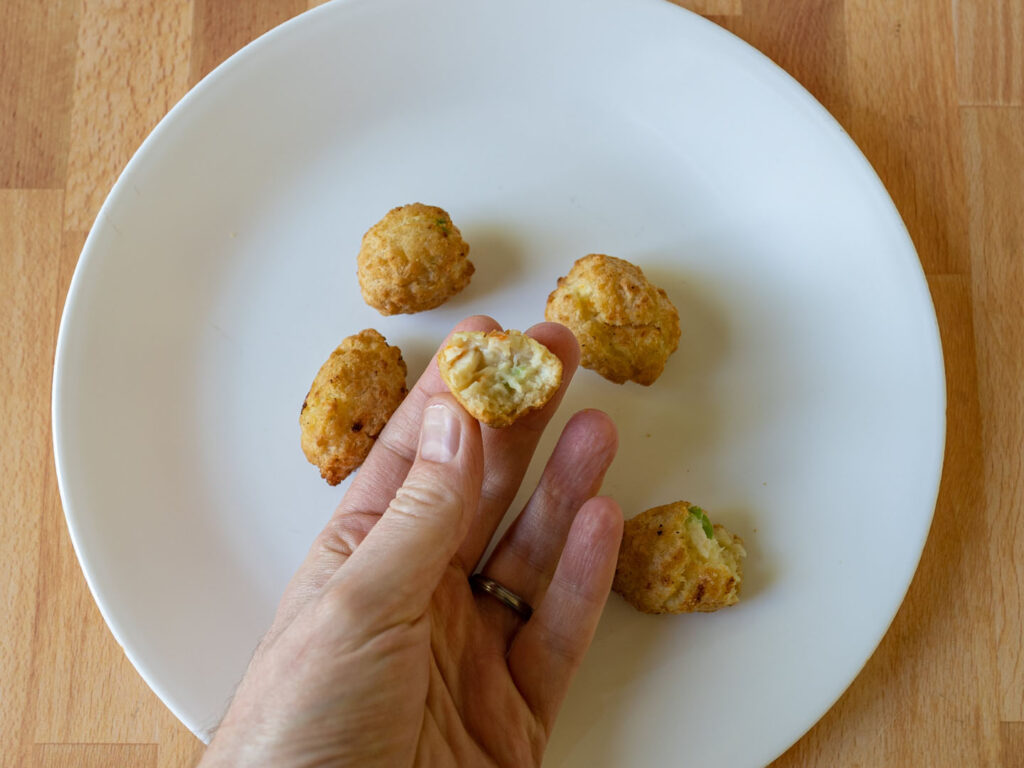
[[498, 376], [673, 560]]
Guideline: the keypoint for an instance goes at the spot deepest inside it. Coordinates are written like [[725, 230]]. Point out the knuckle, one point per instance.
[[425, 494], [343, 533]]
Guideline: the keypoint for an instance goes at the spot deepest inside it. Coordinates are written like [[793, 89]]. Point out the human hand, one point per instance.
[[380, 653]]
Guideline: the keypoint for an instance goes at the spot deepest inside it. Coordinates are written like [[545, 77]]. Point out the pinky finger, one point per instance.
[[549, 649]]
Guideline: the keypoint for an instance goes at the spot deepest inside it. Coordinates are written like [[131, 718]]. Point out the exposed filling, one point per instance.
[[714, 544], [500, 371]]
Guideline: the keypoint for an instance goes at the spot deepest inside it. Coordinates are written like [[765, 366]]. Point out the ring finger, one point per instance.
[[525, 558]]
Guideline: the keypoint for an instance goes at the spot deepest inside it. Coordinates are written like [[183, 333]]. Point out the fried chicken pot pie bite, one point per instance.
[[626, 326], [498, 376], [673, 560], [350, 401], [412, 260]]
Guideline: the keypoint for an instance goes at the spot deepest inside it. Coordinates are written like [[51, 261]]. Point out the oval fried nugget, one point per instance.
[[498, 376], [413, 259], [672, 560], [351, 399], [625, 325]]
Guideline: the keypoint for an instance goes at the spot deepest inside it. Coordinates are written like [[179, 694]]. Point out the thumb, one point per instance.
[[393, 573]]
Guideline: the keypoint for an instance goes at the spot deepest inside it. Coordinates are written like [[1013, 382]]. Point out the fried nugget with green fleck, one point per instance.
[[412, 260], [673, 560]]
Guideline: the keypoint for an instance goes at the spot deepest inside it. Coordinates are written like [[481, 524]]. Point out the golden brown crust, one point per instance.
[[668, 564], [351, 399], [498, 376], [412, 260], [625, 325]]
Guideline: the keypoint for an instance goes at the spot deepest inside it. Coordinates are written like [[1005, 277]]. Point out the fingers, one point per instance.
[[390, 577], [388, 463], [508, 451], [371, 490], [548, 650], [525, 559]]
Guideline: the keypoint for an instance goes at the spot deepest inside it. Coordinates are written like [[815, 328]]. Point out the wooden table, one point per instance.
[[931, 90]]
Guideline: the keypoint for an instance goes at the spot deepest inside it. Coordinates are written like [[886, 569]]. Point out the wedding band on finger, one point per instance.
[[502, 594]]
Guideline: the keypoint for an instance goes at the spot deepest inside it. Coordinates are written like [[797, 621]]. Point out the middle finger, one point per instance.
[[507, 452], [527, 555]]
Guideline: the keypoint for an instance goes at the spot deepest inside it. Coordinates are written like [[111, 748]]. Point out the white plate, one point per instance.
[[804, 408]]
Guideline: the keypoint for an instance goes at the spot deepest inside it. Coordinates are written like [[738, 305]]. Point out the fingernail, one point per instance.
[[439, 434]]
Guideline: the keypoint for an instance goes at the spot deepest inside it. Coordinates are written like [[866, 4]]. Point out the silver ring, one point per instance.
[[503, 595]]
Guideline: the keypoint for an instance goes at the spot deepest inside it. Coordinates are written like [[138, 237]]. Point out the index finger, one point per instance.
[[507, 452], [372, 489], [384, 470]]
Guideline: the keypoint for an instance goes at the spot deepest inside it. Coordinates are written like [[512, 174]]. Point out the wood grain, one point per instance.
[[1013, 744], [221, 27], [30, 236], [131, 68], [713, 7], [990, 57], [94, 755], [35, 91], [994, 147], [933, 92], [806, 38], [903, 115]]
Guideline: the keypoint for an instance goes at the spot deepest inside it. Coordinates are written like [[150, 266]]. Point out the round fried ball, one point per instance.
[[498, 376], [672, 560], [350, 401], [626, 326], [412, 260]]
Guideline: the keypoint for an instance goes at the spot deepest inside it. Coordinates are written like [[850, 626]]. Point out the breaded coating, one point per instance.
[[672, 560], [625, 325], [350, 401], [499, 375], [412, 260]]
